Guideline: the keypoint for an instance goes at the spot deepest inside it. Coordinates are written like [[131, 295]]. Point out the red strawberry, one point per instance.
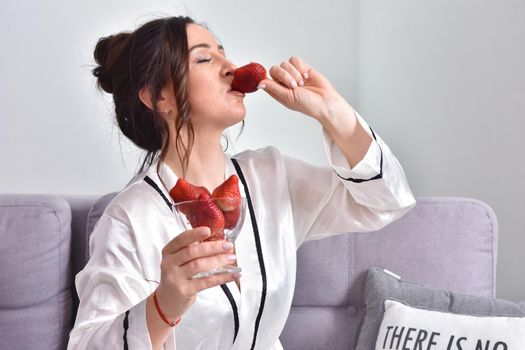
[[205, 190], [246, 78], [184, 191], [227, 195], [204, 212], [231, 217], [228, 198]]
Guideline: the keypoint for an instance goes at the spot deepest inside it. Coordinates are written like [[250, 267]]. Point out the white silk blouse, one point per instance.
[[288, 202]]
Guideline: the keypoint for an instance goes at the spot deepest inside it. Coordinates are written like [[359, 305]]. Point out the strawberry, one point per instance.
[[204, 212], [228, 198], [246, 78], [205, 190], [184, 191], [231, 217], [217, 211], [227, 195]]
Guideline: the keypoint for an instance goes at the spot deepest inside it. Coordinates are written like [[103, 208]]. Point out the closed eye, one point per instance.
[[204, 60]]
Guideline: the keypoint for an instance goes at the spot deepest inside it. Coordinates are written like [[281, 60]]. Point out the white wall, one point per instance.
[[444, 81], [57, 132], [441, 81]]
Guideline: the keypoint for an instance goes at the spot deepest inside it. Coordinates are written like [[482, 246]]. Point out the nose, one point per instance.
[[228, 68]]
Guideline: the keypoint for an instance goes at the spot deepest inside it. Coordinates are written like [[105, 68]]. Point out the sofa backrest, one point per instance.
[[448, 243]]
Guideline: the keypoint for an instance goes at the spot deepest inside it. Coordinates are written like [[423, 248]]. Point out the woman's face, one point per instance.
[[210, 77]]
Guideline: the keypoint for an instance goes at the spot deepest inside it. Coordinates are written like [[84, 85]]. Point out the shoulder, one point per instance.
[[264, 152], [136, 199], [269, 155], [263, 168]]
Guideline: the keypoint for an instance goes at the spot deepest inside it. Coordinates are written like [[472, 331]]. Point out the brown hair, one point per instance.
[[149, 56]]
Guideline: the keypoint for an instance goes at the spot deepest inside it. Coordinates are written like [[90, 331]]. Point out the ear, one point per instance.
[[165, 102], [146, 96]]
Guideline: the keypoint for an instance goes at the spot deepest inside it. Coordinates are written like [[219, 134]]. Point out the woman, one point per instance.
[[171, 82]]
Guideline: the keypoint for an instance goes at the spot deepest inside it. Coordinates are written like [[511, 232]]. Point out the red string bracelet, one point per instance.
[[169, 323]]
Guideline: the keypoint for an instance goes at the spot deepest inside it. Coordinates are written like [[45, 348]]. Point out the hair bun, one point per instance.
[[107, 52]]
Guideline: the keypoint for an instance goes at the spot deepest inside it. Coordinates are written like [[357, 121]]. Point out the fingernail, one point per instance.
[[301, 82], [231, 257], [261, 86], [227, 245], [305, 75], [293, 83], [236, 275]]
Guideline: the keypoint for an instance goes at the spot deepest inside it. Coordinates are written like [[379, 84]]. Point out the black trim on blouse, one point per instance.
[[378, 176], [157, 188], [229, 295], [259, 251], [224, 287], [126, 326]]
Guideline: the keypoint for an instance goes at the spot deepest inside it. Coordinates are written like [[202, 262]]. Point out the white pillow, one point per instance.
[[407, 328]]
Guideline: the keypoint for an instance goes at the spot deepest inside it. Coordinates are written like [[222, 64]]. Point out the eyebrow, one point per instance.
[[220, 47]]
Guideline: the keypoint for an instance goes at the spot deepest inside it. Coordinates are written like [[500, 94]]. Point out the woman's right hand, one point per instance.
[[183, 257]]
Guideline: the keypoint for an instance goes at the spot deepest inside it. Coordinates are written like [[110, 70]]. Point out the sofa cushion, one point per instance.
[[382, 287], [414, 328], [35, 275]]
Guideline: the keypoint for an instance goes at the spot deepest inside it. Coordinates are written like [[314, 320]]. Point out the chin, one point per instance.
[[234, 121], [239, 115]]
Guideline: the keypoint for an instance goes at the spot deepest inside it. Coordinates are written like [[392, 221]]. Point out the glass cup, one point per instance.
[[224, 217]]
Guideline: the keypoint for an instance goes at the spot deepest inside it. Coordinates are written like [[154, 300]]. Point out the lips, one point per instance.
[[236, 93]]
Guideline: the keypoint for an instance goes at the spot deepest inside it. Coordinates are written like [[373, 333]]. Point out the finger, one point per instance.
[[302, 67], [206, 264], [294, 73], [185, 238], [201, 250], [281, 93], [216, 280], [317, 79], [283, 77]]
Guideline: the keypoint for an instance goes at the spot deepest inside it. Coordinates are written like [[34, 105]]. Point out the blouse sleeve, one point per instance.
[[332, 200], [112, 293]]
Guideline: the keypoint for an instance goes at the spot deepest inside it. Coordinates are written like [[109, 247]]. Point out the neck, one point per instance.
[[206, 166]]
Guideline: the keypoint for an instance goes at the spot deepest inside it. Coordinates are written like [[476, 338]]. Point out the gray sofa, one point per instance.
[[448, 243]]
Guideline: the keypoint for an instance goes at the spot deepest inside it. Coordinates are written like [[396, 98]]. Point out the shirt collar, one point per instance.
[[167, 176]]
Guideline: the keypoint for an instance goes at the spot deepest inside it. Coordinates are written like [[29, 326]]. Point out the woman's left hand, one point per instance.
[[310, 93]]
